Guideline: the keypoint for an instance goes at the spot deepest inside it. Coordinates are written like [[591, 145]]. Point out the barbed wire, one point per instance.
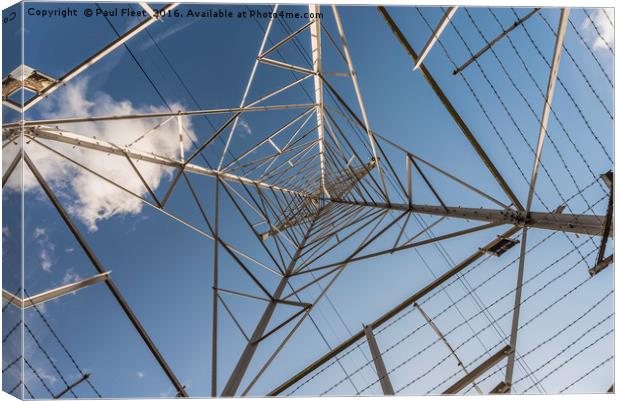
[[600, 35], [11, 331], [600, 338], [49, 358], [581, 72], [408, 335], [36, 373], [556, 334], [434, 293], [64, 348], [587, 373], [568, 93]]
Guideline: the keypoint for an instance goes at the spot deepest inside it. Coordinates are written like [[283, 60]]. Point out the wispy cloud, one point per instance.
[[140, 375], [70, 277], [39, 232], [46, 251], [47, 377], [90, 198], [601, 33], [247, 130]]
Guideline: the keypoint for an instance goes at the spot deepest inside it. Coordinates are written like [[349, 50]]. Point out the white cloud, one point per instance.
[[89, 198], [70, 277], [603, 19], [140, 375]]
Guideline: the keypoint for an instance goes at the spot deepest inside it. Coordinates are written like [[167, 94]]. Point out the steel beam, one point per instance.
[[553, 73], [575, 223], [384, 379], [110, 148], [164, 114], [315, 43]]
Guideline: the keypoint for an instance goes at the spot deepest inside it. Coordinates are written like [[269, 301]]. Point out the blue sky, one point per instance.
[[165, 270]]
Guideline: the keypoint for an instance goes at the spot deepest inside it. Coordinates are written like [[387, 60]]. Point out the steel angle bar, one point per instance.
[[72, 385], [277, 91], [234, 319], [600, 266], [433, 326], [281, 325], [227, 247], [248, 222], [146, 7], [285, 40], [495, 40], [11, 167], [286, 66], [358, 121], [479, 370], [315, 43], [138, 116], [143, 180], [382, 373], [216, 283], [53, 293], [441, 26], [588, 224], [608, 223], [110, 148], [428, 183]]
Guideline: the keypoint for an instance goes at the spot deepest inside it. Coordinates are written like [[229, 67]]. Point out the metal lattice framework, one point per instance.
[[318, 192]]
